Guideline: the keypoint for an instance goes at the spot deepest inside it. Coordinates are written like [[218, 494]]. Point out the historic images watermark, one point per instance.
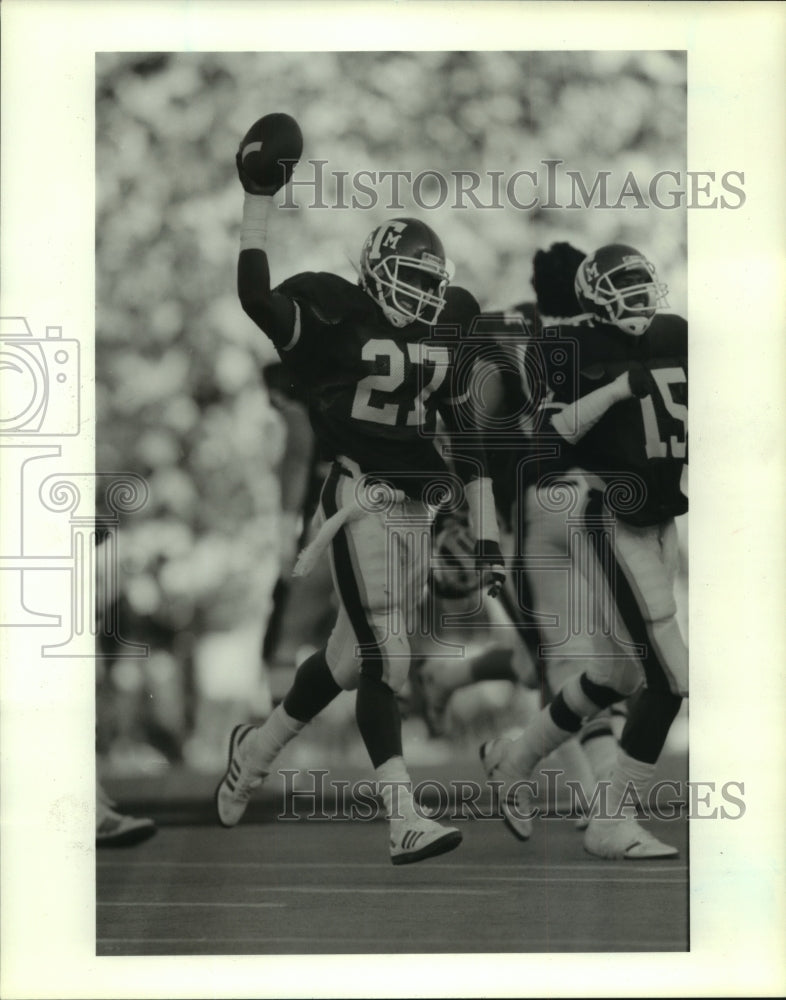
[[550, 184], [312, 795]]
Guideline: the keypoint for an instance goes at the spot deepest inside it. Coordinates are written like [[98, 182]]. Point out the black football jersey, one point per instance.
[[641, 442], [374, 390]]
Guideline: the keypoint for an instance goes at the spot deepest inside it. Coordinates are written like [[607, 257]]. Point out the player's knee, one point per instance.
[[397, 657], [660, 606], [342, 659], [559, 671], [388, 660]]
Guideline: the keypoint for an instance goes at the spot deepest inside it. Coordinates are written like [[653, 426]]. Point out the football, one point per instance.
[[270, 141]]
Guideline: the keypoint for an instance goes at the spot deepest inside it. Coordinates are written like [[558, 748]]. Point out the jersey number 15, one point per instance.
[[674, 446]]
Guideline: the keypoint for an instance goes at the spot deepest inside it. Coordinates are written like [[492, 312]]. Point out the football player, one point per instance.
[[616, 395], [377, 372], [541, 537]]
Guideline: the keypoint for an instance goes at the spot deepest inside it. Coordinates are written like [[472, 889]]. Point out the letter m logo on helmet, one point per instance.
[[392, 237], [384, 238]]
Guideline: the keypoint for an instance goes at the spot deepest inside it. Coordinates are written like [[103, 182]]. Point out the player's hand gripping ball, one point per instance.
[[268, 153]]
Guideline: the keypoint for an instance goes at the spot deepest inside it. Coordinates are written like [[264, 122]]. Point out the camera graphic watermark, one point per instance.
[[40, 381], [58, 556]]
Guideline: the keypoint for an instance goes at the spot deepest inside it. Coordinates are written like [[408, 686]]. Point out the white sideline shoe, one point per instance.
[[239, 781], [624, 839], [117, 830], [416, 838], [515, 796]]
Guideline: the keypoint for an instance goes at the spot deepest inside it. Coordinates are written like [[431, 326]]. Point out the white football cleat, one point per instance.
[[515, 795], [239, 781], [417, 838], [624, 839]]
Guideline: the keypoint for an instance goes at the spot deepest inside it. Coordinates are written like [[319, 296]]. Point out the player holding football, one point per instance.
[[377, 374], [616, 394]]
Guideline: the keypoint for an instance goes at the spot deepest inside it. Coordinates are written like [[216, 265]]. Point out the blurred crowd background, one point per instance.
[[181, 394]]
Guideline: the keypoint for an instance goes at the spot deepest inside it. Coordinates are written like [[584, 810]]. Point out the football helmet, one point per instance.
[[403, 268], [620, 286]]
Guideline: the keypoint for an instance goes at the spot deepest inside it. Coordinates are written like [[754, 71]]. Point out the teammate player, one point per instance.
[[377, 373], [617, 397], [540, 533]]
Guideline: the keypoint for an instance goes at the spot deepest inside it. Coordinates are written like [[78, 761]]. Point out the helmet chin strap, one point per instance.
[[399, 320], [634, 325]]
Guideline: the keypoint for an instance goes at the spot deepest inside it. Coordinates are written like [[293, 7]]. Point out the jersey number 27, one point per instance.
[[402, 408]]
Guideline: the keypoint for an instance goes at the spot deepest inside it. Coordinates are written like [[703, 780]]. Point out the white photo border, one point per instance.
[[737, 312]]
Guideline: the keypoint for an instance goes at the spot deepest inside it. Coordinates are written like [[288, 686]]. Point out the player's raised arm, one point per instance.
[[265, 161]]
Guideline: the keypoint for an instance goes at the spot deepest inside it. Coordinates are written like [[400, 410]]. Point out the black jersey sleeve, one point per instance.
[[320, 301], [272, 313]]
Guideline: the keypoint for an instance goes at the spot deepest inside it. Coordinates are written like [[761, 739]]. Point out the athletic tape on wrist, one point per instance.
[[253, 228]]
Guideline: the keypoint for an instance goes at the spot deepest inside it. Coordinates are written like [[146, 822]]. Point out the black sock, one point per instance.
[[650, 715], [562, 715], [378, 719], [312, 690]]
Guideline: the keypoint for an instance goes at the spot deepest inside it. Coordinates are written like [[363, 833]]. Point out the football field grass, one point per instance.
[[326, 886]]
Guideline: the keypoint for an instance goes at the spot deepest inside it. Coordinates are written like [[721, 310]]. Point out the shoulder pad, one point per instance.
[[670, 331], [669, 322], [461, 306], [329, 296]]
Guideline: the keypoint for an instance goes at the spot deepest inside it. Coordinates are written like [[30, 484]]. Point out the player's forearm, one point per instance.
[[575, 419], [253, 271], [482, 508]]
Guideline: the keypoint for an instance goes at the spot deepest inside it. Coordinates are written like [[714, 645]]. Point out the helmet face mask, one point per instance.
[[403, 268], [620, 286]]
